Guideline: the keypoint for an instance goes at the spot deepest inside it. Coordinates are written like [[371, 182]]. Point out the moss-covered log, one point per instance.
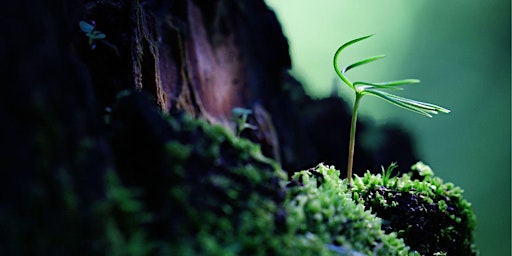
[[431, 216], [108, 145]]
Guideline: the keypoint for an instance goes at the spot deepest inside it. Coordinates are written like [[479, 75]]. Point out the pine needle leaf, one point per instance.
[[353, 42], [362, 62], [390, 84], [335, 59], [419, 107]]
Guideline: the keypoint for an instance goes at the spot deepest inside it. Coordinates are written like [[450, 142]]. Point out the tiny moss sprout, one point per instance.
[[91, 32], [95, 35], [386, 174], [241, 115], [376, 89]]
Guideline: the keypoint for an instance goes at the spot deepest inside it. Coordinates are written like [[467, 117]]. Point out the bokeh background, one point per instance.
[[460, 50]]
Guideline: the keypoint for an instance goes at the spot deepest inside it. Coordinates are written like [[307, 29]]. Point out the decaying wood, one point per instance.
[[209, 77], [197, 69]]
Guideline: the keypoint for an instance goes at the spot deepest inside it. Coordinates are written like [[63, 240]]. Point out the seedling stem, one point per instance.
[[362, 88]]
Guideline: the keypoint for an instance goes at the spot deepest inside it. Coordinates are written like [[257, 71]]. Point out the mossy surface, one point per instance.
[[431, 216], [208, 192], [321, 210], [216, 194], [180, 186]]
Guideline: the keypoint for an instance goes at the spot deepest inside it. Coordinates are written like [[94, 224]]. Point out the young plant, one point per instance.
[[377, 89], [95, 36], [91, 32], [386, 174], [241, 115]]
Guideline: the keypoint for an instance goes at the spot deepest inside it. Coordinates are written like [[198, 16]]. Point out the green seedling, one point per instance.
[[241, 115], [386, 173], [95, 35], [91, 32], [377, 89]]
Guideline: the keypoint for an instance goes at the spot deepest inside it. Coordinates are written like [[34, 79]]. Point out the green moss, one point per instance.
[[178, 151], [218, 195], [430, 215], [196, 189], [221, 196], [322, 212], [123, 215]]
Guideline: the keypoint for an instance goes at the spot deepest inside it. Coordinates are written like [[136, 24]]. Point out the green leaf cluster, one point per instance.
[[241, 115], [376, 89], [91, 32]]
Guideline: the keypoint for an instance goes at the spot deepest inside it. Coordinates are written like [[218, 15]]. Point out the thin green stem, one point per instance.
[[352, 141]]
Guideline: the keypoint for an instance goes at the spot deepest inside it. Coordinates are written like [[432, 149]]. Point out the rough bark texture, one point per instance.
[[198, 57]]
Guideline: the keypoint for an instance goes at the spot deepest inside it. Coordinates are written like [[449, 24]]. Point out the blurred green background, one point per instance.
[[460, 50]]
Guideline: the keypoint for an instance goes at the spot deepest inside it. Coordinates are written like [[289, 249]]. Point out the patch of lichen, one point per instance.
[[322, 214], [430, 215]]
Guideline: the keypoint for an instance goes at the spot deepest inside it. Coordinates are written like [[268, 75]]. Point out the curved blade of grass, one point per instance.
[[343, 46], [423, 105], [390, 84], [419, 107], [362, 62], [426, 105], [403, 105], [336, 55], [364, 86]]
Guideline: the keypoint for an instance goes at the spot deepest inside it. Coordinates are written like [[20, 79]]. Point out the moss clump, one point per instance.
[[208, 192], [180, 186], [224, 199], [322, 213], [430, 215], [211, 193], [122, 215]]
